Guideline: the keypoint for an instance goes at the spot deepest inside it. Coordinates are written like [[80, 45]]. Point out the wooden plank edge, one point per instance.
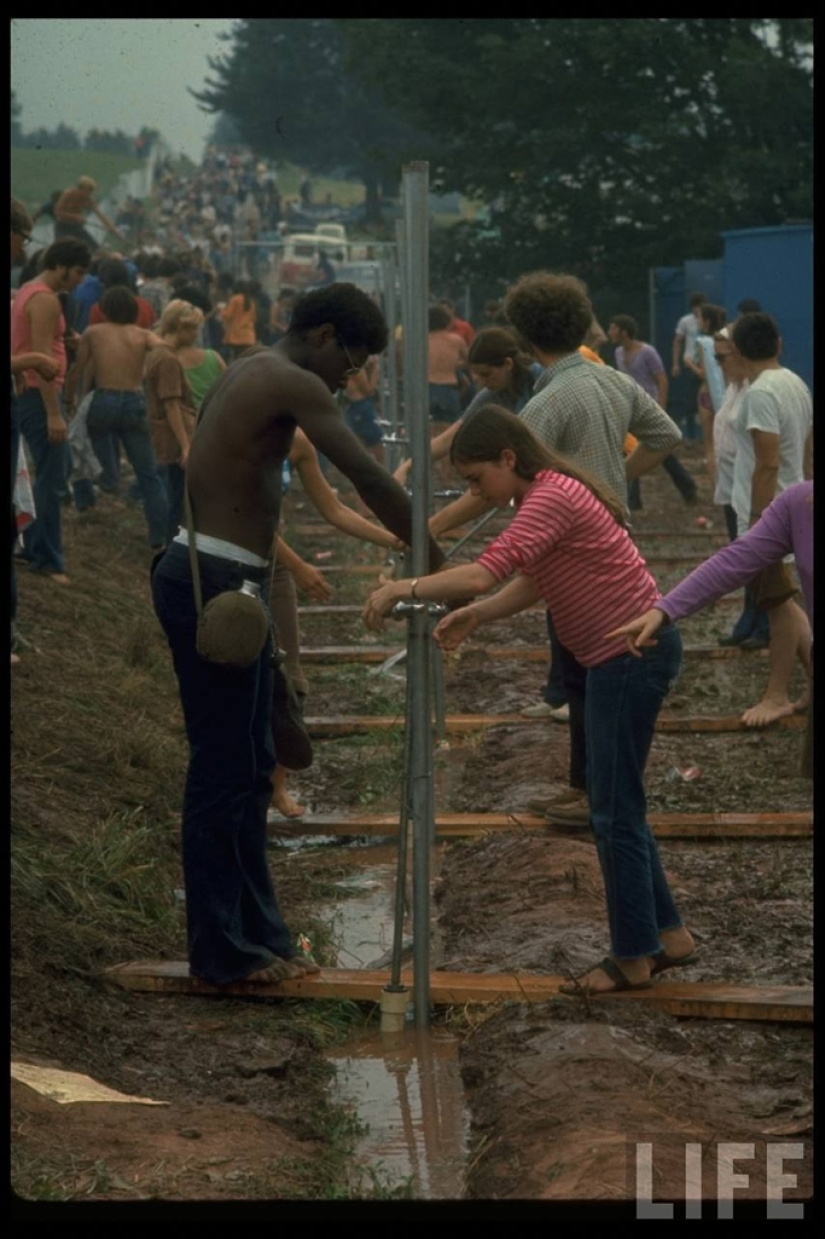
[[331, 654], [800, 817], [709, 1000], [462, 724], [698, 826]]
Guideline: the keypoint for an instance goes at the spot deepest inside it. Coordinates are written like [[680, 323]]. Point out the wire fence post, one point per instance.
[[413, 260]]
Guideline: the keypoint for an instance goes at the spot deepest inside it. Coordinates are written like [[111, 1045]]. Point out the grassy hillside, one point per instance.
[[35, 174]]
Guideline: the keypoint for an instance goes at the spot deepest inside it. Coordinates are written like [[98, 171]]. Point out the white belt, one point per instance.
[[223, 550]]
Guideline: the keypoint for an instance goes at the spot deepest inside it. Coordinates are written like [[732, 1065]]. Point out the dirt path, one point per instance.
[[559, 1094]]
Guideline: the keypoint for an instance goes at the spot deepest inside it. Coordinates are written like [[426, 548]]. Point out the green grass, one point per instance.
[[113, 886], [36, 174]]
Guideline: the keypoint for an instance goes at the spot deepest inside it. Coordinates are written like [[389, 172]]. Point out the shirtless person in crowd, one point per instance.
[[111, 357], [446, 354], [72, 208], [235, 930]]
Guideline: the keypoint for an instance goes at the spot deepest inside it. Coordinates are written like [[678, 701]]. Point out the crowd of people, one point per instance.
[[152, 354]]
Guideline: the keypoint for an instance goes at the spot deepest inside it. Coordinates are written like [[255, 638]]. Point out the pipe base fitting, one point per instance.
[[394, 1003]]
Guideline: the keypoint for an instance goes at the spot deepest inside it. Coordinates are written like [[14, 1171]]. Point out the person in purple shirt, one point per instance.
[[643, 363], [786, 527]]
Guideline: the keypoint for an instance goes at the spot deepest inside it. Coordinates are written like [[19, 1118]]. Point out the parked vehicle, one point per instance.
[[364, 275], [336, 232], [300, 255]]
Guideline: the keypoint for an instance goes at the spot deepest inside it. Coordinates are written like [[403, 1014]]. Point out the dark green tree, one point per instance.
[[602, 147], [283, 85], [117, 143], [225, 132], [63, 138]]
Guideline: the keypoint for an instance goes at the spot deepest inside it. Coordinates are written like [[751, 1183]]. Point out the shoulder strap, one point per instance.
[[193, 550]]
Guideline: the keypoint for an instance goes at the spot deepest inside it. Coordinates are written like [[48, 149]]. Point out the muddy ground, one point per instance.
[[559, 1093]]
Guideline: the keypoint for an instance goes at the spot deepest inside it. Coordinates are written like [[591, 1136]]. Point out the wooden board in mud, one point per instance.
[[331, 654], [699, 826], [705, 1000], [463, 724]]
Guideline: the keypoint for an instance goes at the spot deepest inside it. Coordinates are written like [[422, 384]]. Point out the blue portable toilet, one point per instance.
[[775, 265]]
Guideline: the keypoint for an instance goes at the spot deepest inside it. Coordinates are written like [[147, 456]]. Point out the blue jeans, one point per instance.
[[234, 926], [174, 479], [362, 418], [622, 703], [121, 416], [43, 539], [445, 402], [554, 694], [678, 475]]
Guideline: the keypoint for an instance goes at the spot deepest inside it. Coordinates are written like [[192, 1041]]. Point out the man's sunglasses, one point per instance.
[[353, 369]]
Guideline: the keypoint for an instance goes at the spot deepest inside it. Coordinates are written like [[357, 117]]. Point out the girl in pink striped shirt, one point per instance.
[[568, 545]]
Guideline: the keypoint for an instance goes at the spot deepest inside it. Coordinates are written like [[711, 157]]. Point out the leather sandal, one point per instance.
[[612, 969]]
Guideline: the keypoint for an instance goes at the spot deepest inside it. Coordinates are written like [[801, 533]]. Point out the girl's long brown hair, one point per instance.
[[491, 430], [493, 346]]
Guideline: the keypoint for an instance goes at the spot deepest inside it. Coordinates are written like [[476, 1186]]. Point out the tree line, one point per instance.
[[603, 147], [64, 138]]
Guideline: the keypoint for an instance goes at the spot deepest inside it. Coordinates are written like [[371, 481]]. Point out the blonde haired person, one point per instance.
[[202, 366], [170, 403], [72, 208]]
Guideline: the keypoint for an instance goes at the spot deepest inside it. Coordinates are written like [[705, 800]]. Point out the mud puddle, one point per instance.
[[405, 1090]]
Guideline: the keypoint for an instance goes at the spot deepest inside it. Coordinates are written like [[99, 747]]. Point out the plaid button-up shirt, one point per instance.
[[583, 411]]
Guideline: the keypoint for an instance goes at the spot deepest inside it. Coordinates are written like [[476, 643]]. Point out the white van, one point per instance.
[[299, 259], [336, 232]]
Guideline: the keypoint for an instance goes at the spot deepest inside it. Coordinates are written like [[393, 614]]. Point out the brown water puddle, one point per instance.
[[405, 1088]]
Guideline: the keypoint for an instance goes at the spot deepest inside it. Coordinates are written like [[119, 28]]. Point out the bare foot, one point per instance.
[[802, 703], [766, 712], [677, 944], [284, 803], [677, 941], [281, 799], [59, 578]]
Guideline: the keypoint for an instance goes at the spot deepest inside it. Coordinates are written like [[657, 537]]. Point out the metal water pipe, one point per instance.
[[413, 260]]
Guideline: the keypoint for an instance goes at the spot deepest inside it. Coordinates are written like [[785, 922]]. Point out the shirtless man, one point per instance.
[[71, 209], [38, 326], [111, 358], [446, 353], [246, 427]]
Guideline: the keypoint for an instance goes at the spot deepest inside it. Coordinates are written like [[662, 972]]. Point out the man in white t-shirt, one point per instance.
[[774, 442], [684, 350]]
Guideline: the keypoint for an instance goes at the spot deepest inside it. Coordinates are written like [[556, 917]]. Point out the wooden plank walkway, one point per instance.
[[463, 724], [706, 1000], [697, 826], [526, 653]]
